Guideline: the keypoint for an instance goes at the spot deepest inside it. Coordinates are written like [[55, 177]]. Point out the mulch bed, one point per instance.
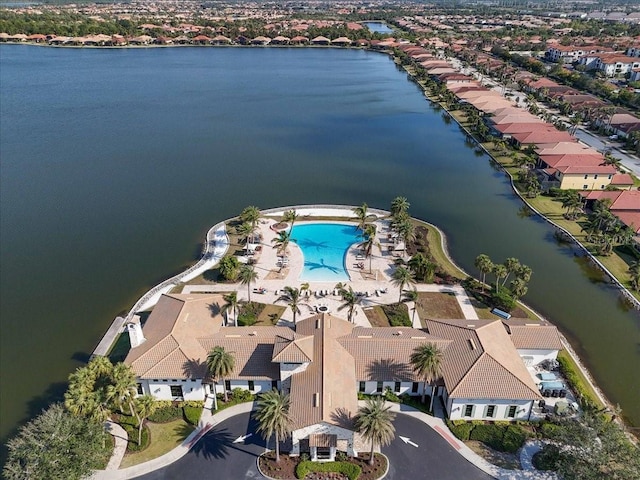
[[286, 468]]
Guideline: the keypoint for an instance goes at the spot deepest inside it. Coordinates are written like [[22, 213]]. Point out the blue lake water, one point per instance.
[[324, 247], [115, 162], [378, 27]]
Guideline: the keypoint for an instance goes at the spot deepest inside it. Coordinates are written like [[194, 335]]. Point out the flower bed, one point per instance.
[[347, 468]]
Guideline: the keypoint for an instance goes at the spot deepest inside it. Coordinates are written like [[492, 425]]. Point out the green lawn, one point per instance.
[[435, 247], [164, 438], [438, 305]]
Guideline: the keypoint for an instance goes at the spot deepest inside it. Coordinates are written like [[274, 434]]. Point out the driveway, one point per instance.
[[432, 458], [216, 456]]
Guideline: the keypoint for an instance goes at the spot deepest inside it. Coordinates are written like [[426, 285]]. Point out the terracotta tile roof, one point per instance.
[[326, 390], [523, 127], [587, 169], [533, 335], [622, 179], [543, 136], [385, 353], [252, 348], [630, 219], [481, 362], [171, 331], [293, 349]]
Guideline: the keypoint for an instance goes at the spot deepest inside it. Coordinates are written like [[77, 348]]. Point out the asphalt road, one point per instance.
[[433, 458], [216, 456]]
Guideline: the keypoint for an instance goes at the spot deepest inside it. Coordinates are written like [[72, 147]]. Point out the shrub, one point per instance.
[[503, 300], [501, 436], [192, 414], [460, 428], [575, 382], [248, 314], [489, 434], [241, 395], [166, 411], [397, 314], [351, 470], [390, 396], [514, 437], [550, 430], [229, 267], [547, 458], [132, 432]]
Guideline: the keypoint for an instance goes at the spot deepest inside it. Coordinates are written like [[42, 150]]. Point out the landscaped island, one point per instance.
[[262, 316]]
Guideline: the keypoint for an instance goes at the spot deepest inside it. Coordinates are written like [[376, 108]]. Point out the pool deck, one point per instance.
[[373, 281]]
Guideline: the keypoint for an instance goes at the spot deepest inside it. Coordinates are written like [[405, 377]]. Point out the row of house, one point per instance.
[[324, 361]]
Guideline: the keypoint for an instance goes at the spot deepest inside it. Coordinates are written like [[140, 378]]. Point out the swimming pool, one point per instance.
[[324, 247]]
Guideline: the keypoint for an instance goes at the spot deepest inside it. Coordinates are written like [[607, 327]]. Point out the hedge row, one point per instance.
[[502, 436], [351, 470], [168, 411], [575, 382]]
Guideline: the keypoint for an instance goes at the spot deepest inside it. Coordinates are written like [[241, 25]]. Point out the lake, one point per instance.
[[115, 162]]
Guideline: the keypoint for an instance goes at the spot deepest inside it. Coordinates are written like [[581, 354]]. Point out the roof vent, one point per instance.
[[254, 333], [417, 338], [317, 323], [399, 332], [472, 344], [471, 325]]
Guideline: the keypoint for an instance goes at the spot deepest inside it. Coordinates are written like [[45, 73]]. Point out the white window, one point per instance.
[[490, 411], [468, 410]]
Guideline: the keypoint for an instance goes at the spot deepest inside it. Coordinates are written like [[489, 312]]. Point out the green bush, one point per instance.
[[575, 382], [166, 411], [390, 396], [460, 428], [248, 314], [229, 267], [397, 314], [550, 430], [192, 414], [489, 434], [501, 436], [132, 432], [514, 437], [351, 470], [547, 458], [241, 395], [503, 300]]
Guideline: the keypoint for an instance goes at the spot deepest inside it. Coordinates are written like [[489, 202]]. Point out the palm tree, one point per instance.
[[407, 230], [399, 205], [369, 242], [524, 272], [363, 216], [572, 202], [123, 387], [484, 264], [245, 230], [220, 364], [409, 296], [246, 276], [422, 268], [375, 422], [281, 242], [251, 215], [232, 304], [518, 288], [290, 216], [500, 271], [273, 417], [350, 300], [511, 265], [402, 277], [293, 297], [145, 405], [427, 361]]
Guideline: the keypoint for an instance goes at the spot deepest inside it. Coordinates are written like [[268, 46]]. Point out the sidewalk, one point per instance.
[[207, 422]]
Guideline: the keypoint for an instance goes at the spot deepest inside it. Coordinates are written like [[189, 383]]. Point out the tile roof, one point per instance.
[[171, 349], [481, 362], [533, 335], [293, 349]]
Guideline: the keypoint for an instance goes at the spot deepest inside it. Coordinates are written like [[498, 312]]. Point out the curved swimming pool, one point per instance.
[[324, 248]]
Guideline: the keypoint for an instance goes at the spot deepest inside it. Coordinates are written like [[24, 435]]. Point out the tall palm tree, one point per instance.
[[293, 297], [407, 230], [290, 216], [123, 388], [402, 277], [145, 405], [409, 296], [281, 242], [363, 216], [273, 417], [232, 304], [524, 272], [350, 300], [369, 242], [246, 230], [220, 364], [512, 265], [421, 267], [500, 271], [519, 288], [399, 205], [375, 422], [426, 360], [251, 214], [246, 276]]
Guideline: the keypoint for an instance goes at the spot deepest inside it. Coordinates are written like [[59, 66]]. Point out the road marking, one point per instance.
[[407, 441], [242, 438], [199, 436], [447, 437]]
